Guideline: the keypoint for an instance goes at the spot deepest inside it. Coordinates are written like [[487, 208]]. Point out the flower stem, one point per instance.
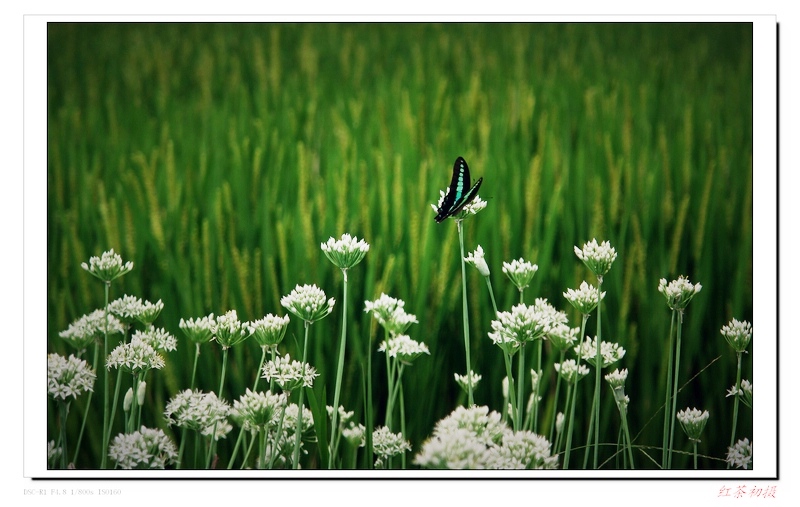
[[86, 408], [299, 426], [491, 293], [471, 400], [369, 409], [106, 430], [511, 391], [675, 389], [571, 417], [339, 372], [63, 410], [194, 368], [736, 397], [598, 370], [520, 386], [664, 441], [555, 400]]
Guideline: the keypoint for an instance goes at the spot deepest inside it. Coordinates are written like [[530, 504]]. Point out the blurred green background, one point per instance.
[[217, 157]]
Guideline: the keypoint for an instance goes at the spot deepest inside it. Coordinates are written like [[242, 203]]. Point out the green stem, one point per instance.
[[339, 372], [555, 400], [86, 408], [299, 426], [589, 436], [623, 413], [491, 293], [571, 416], [511, 392], [179, 461], [520, 387], [107, 436], [63, 409], [224, 368], [402, 423], [675, 389], [274, 448], [598, 372], [194, 368], [694, 444], [106, 429], [736, 397], [536, 391], [668, 395], [369, 409], [471, 400]]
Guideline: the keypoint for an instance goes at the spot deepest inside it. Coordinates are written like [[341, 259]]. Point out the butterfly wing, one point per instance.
[[454, 199]]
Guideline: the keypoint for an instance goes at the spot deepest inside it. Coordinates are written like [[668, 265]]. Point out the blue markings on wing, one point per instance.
[[456, 197]]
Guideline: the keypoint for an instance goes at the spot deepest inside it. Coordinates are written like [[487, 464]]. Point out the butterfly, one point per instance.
[[457, 195]]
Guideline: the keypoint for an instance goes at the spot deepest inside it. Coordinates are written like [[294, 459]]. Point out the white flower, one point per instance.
[[289, 374], [196, 410], [159, 338], [200, 330], [108, 266], [568, 368], [308, 303], [475, 438], [135, 356], [386, 444], [693, 421], [741, 454], [81, 333], [520, 272], [525, 323], [609, 352], [598, 258], [464, 380], [585, 299], [68, 377], [678, 292], [476, 259], [149, 312], [345, 252], [229, 331], [269, 330], [390, 313], [738, 334], [256, 411], [144, 449], [403, 348]]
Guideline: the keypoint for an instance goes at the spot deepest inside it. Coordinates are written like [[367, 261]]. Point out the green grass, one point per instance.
[[217, 157]]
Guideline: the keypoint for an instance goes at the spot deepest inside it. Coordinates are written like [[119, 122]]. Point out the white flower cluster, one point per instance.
[[135, 356], [346, 252], [81, 333], [229, 331], [68, 377], [738, 334], [308, 303], [144, 449], [693, 421], [598, 258], [269, 330], [475, 438], [741, 454], [678, 292], [585, 299], [391, 314], [289, 374], [525, 323], [386, 444], [520, 272], [199, 330], [257, 411], [609, 352], [562, 336], [568, 368], [403, 348], [199, 411], [108, 266], [745, 392], [465, 380], [158, 338]]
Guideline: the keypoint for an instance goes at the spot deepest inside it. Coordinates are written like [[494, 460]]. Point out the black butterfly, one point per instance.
[[457, 195]]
